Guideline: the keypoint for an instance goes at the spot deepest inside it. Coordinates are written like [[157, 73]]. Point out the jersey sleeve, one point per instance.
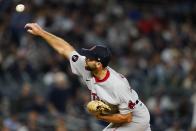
[[77, 63], [127, 101], [123, 106]]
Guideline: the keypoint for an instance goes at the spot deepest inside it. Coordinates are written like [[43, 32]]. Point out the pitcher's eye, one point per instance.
[[86, 59]]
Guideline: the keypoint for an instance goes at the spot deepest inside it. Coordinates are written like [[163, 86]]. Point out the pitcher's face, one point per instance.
[[91, 65]]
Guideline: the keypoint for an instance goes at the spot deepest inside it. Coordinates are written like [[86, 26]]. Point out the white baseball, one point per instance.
[[20, 8]]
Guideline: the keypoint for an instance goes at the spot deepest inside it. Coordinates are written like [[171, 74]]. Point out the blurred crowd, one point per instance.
[[153, 45]]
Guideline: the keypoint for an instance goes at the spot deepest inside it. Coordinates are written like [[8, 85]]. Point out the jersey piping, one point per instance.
[[104, 79]]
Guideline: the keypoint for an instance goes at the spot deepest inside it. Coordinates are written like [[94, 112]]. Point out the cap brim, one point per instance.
[[87, 53]]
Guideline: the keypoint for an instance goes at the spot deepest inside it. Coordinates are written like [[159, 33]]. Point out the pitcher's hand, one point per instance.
[[34, 29]]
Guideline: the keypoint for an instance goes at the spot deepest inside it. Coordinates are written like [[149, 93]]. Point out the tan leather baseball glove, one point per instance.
[[99, 107]]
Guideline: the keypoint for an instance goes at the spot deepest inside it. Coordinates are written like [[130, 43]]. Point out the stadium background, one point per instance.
[[153, 45]]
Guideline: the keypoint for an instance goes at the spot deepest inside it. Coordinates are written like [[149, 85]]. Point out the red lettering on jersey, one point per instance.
[[131, 105], [94, 96]]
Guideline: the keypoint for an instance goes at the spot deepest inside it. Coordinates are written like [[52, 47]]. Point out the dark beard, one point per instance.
[[88, 68]]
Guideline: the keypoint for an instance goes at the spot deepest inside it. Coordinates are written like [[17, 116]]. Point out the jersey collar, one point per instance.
[[104, 79]]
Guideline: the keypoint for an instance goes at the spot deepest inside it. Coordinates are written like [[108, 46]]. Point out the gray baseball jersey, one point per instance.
[[113, 89]]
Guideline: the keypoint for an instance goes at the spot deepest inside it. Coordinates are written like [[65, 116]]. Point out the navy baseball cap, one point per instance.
[[99, 53]]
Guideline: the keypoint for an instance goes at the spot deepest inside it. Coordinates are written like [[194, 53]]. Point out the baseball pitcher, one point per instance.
[[113, 100]]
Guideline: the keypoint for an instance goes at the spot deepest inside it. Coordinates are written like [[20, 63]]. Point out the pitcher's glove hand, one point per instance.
[[97, 107]]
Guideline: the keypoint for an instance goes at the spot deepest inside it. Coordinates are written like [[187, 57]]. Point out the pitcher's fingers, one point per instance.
[[27, 25], [30, 31]]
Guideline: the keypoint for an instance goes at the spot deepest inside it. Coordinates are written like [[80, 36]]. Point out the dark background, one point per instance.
[[153, 45]]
